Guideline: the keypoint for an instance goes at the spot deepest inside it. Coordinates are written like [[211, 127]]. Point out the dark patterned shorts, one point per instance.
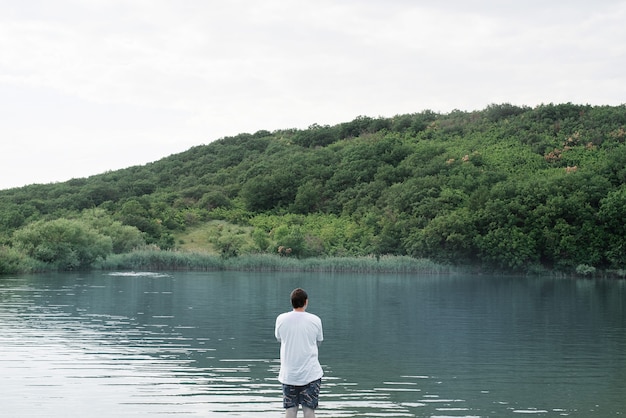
[[307, 395]]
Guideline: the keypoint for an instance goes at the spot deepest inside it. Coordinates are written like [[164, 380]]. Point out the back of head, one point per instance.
[[298, 298]]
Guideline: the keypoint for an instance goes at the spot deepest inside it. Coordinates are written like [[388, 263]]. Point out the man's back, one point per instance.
[[299, 334]]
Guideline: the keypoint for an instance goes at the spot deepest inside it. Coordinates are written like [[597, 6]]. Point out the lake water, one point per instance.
[[202, 344]]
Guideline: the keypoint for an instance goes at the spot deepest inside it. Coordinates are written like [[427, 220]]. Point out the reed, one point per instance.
[[158, 260]]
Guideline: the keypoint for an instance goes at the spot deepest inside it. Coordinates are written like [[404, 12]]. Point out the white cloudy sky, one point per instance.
[[88, 86]]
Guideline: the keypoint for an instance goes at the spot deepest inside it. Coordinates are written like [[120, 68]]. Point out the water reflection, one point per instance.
[[135, 344]]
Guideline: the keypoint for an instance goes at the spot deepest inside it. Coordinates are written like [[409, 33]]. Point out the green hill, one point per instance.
[[508, 188]]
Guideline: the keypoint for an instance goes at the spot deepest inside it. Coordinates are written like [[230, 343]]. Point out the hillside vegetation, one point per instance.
[[507, 188]]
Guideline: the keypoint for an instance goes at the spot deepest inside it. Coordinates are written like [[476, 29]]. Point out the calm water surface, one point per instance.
[[201, 344]]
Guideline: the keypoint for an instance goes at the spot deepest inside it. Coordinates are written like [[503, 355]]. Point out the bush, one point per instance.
[[11, 261], [62, 243], [585, 270]]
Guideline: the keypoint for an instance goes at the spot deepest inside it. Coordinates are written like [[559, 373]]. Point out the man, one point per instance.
[[299, 334]]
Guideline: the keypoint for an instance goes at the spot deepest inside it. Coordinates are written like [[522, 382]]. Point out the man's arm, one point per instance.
[[320, 334], [276, 333]]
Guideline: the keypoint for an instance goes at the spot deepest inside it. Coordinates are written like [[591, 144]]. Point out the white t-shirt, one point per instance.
[[298, 334]]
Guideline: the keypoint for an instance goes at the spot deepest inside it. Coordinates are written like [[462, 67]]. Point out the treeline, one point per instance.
[[509, 188]]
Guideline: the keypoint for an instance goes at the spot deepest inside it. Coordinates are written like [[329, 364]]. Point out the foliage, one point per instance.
[[13, 261], [509, 188], [124, 238], [585, 270], [68, 244]]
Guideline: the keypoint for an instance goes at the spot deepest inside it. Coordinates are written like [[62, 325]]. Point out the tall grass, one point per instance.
[[157, 260], [153, 259]]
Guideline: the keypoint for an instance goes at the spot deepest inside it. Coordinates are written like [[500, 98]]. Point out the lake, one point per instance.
[[201, 344]]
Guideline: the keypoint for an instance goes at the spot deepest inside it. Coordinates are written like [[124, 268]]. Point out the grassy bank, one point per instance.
[[155, 260]]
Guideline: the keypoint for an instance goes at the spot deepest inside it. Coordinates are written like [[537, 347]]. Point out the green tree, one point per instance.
[[309, 198], [508, 248], [135, 213], [449, 237], [124, 238], [267, 192], [13, 261], [612, 215], [290, 240], [63, 243], [316, 136]]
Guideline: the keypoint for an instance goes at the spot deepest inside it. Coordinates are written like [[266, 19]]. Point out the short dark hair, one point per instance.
[[298, 298]]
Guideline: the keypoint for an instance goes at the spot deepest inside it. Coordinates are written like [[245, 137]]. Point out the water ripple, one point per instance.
[[65, 352]]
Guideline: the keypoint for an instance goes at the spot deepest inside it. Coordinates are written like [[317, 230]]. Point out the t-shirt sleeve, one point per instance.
[[276, 334], [320, 333]]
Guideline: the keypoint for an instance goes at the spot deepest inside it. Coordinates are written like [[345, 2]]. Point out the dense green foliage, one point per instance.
[[509, 188]]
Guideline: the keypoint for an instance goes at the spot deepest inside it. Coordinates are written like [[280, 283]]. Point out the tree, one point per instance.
[[124, 238], [290, 240], [13, 261], [448, 237], [612, 215], [308, 199], [263, 193], [134, 213], [66, 244], [316, 136], [508, 248]]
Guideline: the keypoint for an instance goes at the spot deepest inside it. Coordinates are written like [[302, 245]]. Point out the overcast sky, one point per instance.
[[88, 86]]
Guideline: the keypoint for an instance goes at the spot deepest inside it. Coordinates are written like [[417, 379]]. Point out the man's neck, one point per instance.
[[298, 309]]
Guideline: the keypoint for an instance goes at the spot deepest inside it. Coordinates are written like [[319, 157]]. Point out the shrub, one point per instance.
[[62, 243], [585, 270]]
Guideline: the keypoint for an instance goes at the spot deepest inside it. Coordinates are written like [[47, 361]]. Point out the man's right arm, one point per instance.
[[276, 329]]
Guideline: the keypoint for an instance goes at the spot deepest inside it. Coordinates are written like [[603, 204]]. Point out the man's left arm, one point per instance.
[[276, 333]]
